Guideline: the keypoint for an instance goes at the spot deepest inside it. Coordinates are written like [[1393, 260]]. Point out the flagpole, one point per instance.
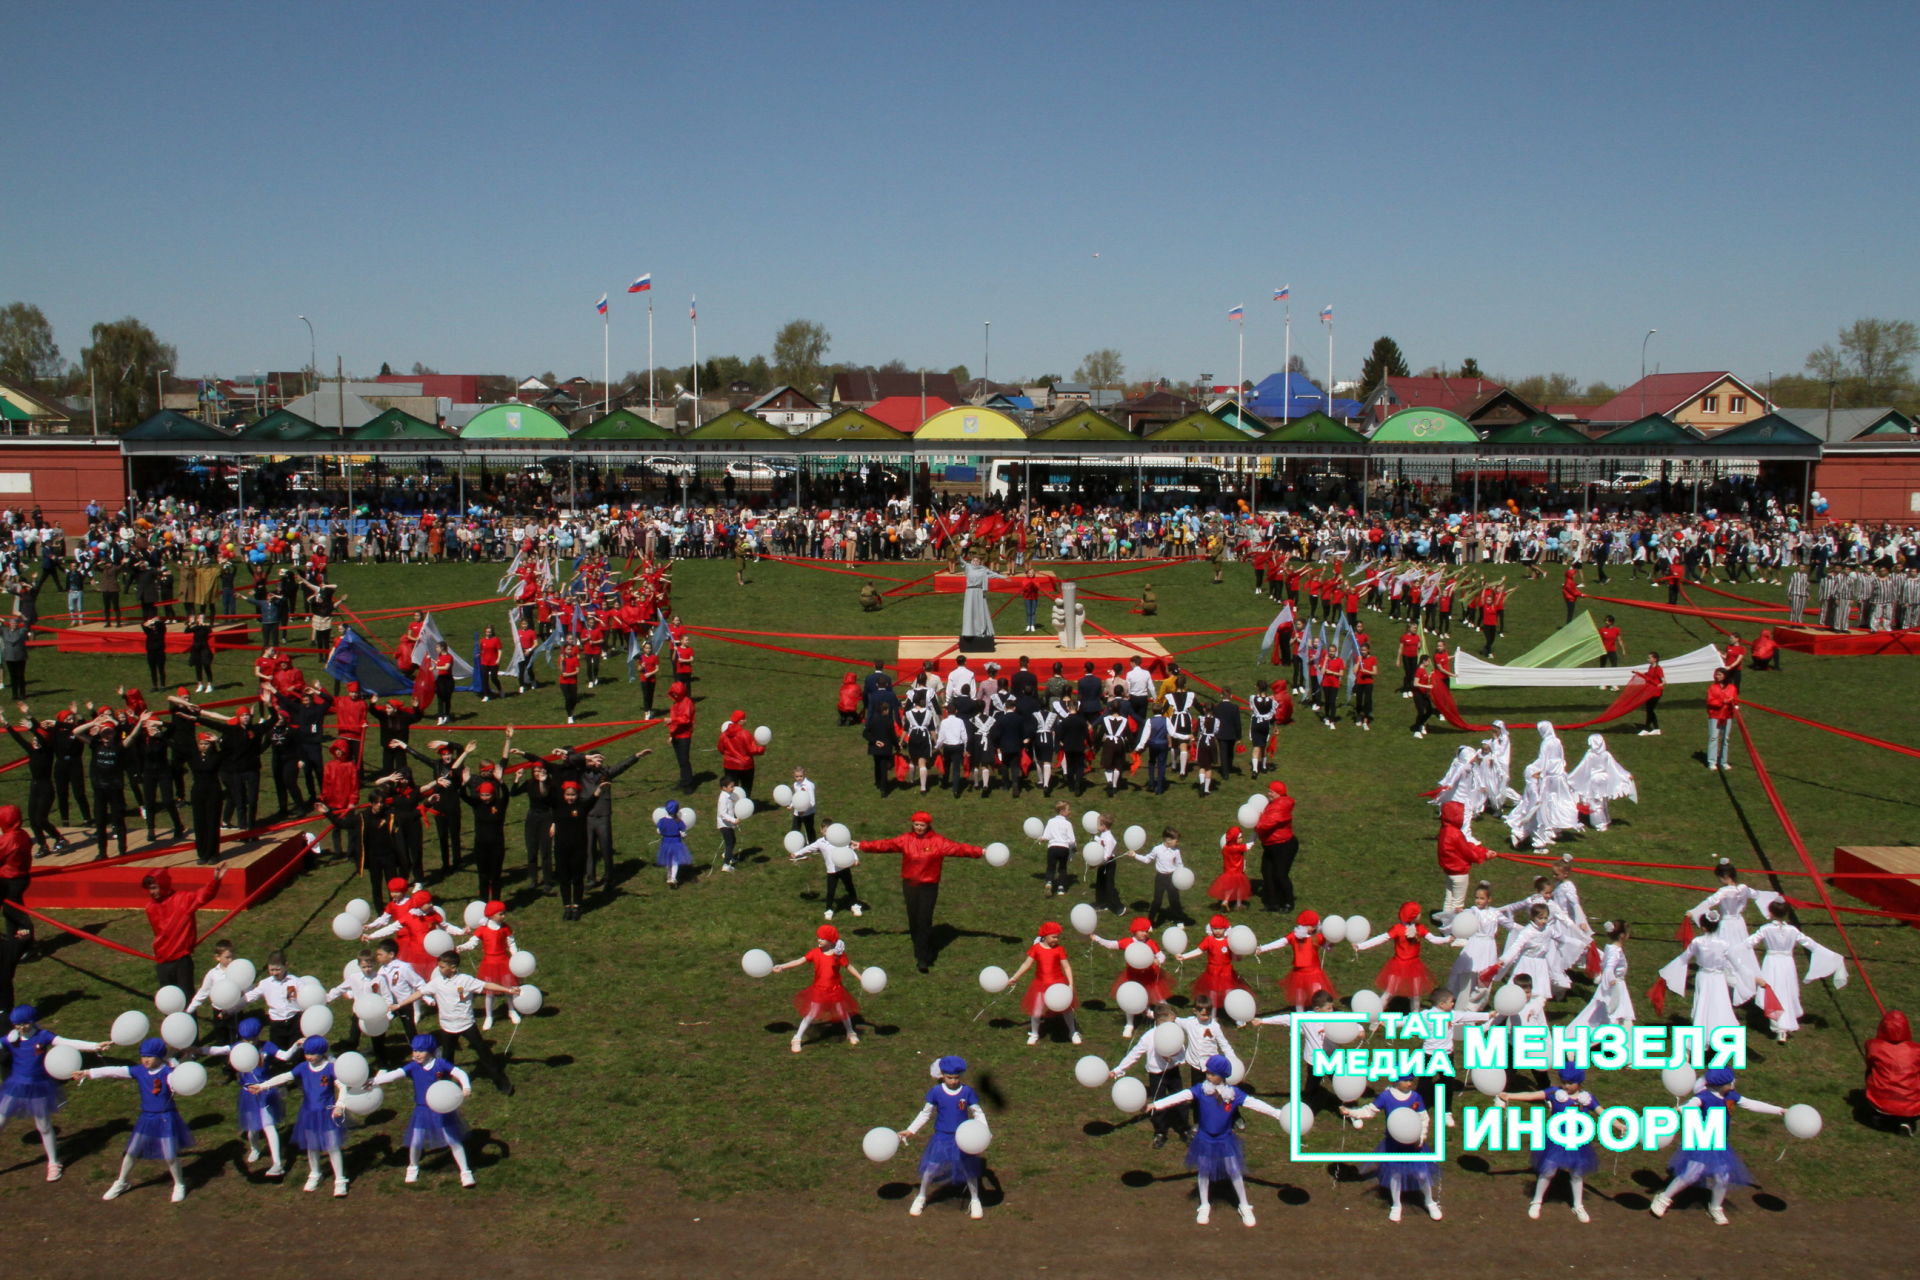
[[606, 364], [693, 314], [1240, 378], [1329, 366], [650, 409], [1286, 373]]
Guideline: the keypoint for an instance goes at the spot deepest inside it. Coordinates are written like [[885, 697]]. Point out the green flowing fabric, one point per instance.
[[1574, 645]]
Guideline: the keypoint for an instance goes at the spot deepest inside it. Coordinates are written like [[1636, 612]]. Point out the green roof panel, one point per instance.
[[171, 425], [1200, 427], [396, 424], [1540, 429], [1769, 429], [737, 424], [513, 421], [1655, 428], [852, 424], [286, 428], [1425, 426], [1084, 425], [1315, 428], [622, 424]]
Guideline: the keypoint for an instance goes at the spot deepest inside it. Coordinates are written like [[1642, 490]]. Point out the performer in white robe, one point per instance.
[[1731, 901], [1499, 765], [1598, 780], [1775, 940], [1479, 951], [976, 619], [1547, 808], [1462, 781], [1576, 934], [1718, 983], [1612, 1003]]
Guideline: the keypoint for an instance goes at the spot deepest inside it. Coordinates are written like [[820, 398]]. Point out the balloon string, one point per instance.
[[989, 1004]]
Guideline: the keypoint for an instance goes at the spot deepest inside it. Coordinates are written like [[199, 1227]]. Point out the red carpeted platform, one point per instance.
[[95, 637], [954, 583], [1847, 644], [71, 880], [1884, 876], [1041, 650]]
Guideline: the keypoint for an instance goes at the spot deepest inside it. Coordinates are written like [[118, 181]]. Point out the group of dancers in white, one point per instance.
[[1555, 800]]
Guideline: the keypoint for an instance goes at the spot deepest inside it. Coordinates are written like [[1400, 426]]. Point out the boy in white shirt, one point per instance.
[[452, 992], [726, 819], [1058, 839], [805, 804], [1165, 859]]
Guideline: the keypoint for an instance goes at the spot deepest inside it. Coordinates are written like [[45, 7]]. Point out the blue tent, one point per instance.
[[1287, 396]]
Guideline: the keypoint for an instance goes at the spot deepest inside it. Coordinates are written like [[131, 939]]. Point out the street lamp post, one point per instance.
[[159, 396], [986, 358], [313, 356], [1643, 370]]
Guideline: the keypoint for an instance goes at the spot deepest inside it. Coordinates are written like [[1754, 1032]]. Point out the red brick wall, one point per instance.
[[61, 478]]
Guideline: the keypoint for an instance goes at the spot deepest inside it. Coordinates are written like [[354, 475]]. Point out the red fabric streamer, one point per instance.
[[1683, 610], [1882, 743], [825, 567], [1762, 604], [82, 933], [1637, 693]]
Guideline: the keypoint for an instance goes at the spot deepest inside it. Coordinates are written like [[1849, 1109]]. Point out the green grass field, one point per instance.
[[657, 1059]]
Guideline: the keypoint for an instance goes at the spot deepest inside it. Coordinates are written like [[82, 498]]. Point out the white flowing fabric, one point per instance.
[[1696, 667], [1546, 809], [1612, 1003], [1599, 776]]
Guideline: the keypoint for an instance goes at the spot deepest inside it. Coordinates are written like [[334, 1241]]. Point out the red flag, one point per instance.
[[1657, 997], [1593, 960], [1769, 1002], [1684, 934], [423, 688]]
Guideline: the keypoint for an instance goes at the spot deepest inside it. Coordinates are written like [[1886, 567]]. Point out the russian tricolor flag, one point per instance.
[[1326, 313], [1237, 313], [601, 306], [693, 308], [641, 285], [1284, 292]]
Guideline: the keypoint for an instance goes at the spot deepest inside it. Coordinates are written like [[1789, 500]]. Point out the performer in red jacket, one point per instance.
[[1278, 848], [921, 853], [737, 750], [1893, 1072], [1458, 855], [680, 732], [171, 915]]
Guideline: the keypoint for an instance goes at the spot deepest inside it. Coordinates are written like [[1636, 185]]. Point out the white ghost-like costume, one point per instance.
[[1598, 780]]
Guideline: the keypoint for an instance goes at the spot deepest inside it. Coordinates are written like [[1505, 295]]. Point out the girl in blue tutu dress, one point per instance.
[[1578, 1163], [1214, 1152], [949, 1105], [673, 845], [426, 1128], [1398, 1175], [158, 1131], [320, 1124], [1718, 1169], [259, 1113], [29, 1090]]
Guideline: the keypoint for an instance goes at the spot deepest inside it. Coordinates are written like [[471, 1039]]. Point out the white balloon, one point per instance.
[[317, 1021], [1092, 854], [522, 964], [61, 1062], [873, 980], [1090, 1071], [308, 992], [1183, 878], [1084, 917], [170, 999], [437, 942], [1290, 1111], [1334, 929], [1238, 1071], [347, 926], [1138, 955], [1358, 930], [530, 1000], [1136, 837], [244, 1056], [1131, 997], [1034, 828], [743, 808], [658, 814], [756, 963], [1174, 940], [443, 1096], [1341, 1033], [1678, 1081], [1256, 801], [997, 854], [1169, 1039], [352, 1069], [993, 979], [243, 973], [1465, 925], [973, 1136], [783, 795], [1368, 1002], [1404, 1125], [359, 908], [880, 1145], [1090, 822], [475, 915], [1803, 1121], [376, 1026], [179, 1030], [130, 1028], [837, 833], [1347, 1088], [1129, 1095], [1240, 1005], [842, 857], [1488, 1080], [369, 1006], [364, 1102], [1241, 940], [794, 841], [1057, 997], [1247, 817], [1509, 1000], [763, 735], [187, 1079], [349, 971]]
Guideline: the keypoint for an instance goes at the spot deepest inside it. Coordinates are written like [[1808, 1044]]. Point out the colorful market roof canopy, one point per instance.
[[969, 422], [858, 427], [1200, 427], [1083, 424], [1655, 428], [398, 424], [513, 422], [286, 427], [622, 424], [736, 424], [1425, 426], [173, 426], [1540, 429], [1768, 429], [1314, 428]]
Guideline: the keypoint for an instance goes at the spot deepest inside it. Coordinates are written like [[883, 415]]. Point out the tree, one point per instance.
[[386, 370], [895, 365], [1543, 388], [1383, 362], [123, 360], [1875, 357], [419, 369], [1470, 368], [1102, 368], [1297, 364], [799, 353], [28, 354], [960, 374]]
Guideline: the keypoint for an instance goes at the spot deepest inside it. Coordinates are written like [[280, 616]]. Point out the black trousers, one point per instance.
[[17, 679], [12, 889], [69, 783], [446, 825], [109, 812], [1106, 891], [683, 754], [1422, 710], [40, 810], [1653, 713], [570, 863], [1363, 702], [538, 834], [840, 890], [1057, 866], [1276, 874], [1161, 1084], [803, 823], [920, 900], [600, 844], [490, 1065], [175, 973], [489, 860], [956, 770], [1165, 893]]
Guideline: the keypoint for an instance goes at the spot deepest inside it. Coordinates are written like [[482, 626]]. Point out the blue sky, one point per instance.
[[1534, 185]]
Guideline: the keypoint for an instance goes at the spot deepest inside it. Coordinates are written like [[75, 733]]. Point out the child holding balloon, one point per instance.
[[158, 1132], [1150, 976], [1409, 1125], [1052, 970], [494, 936], [429, 1127], [673, 853], [1404, 976], [1719, 1169], [1163, 1045], [1578, 1163], [1232, 888], [950, 1104], [839, 873], [1305, 942], [320, 1125], [1219, 977], [30, 1089], [262, 1111], [1214, 1152], [825, 998]]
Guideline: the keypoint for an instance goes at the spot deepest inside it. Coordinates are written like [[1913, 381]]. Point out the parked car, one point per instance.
[[755, 469], [1629, 481], [669, 466]]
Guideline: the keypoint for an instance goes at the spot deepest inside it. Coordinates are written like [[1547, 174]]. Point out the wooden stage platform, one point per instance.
[[1899, 893], [128, 638], [1041, 650], [72, 880]]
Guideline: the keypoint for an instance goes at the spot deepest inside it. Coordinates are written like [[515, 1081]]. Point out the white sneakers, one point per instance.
[[827, 914], [1076, 1037], [919, 1204], [857, 909], [1032, 1039], [1580, 1212], [114, 1192], [1203, 1213], [974, 1208], [1718, 1215], [1433, 1210], [1246, 1214], [413, 1174], [54, 1171], [853, 1038], [794, 1045], [1661, 1203], [340, 1189], [467, 1179], [1393, 1214], [313, 1181], [1533, 1210]]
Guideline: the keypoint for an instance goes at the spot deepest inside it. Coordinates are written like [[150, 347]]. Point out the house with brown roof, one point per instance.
[[789, 408], [1480, 402], [1145, 414], [1709, 402], [863, 388]]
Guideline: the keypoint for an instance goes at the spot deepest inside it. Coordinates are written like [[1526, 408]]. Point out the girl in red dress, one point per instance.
[[825, 998], [1048, 959], [1406, 973], [1219, 978], [1304, 945], [1153, 977], [1232, 889], [494, 937]]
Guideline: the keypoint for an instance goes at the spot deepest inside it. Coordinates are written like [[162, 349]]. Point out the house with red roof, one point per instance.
[[1481, 402], [1708, 402], [906, 413]]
